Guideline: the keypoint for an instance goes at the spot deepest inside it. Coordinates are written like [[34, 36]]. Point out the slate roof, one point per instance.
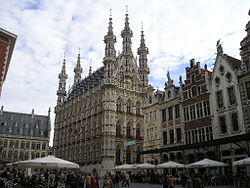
[[91, 81], [13, 123]]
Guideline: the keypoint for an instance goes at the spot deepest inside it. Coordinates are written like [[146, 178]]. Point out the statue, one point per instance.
[[219, 47], [180, 79]]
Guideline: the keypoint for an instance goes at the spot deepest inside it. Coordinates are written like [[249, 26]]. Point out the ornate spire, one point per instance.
[[61, 92], [244, 53], [77, 70], [127, 34], [110, 41], [246, 41], [90, 68], [143, 61]]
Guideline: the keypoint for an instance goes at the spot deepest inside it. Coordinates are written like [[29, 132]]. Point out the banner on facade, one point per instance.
[[129, 143]]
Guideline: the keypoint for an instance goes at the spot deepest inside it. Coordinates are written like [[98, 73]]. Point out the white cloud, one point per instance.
[[175, 31]]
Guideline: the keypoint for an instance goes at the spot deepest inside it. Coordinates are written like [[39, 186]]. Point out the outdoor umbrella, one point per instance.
[[145, 166], [45, 162], [125, 167], [171, 164], [242, 162], [205, 163]]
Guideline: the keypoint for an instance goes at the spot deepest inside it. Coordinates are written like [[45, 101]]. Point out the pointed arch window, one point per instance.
[[119, 105], [138, 157], [129, 108], [118, 129], [128, 155], [128, 130], [138, 132], [118, 155], [138, 108]]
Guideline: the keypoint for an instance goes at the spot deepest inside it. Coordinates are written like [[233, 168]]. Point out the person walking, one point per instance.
[[189, 183], [171, 181], [107, 182], [165, 181], [81, 180], [88, 180], [94, 182]]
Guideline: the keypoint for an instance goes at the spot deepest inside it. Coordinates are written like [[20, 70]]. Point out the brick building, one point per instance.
[[7, 44], [196, 108]]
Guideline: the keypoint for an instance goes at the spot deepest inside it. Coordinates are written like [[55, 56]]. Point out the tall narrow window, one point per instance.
[[165, 138], [220, 103], [163, 115], [128, 155], [231, 96], [223, 125], [177, 111], [118, 155], [128, 130], [248, 89], [138, 132], [118, 129], [192, 112], [247, 63], [206, 108], [235, 122], [186, 114], [178, 134], [170, 113], [171, 136], [194, 91]]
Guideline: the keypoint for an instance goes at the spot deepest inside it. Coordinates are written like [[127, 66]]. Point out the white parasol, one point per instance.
[[45, 162], [171, 164], [205, 163]]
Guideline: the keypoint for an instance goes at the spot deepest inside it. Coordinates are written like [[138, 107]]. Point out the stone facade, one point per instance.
[[163, 125], [151, 126], [23, 134], [244, 76], [103, 111], [7, 43], [226, 107]]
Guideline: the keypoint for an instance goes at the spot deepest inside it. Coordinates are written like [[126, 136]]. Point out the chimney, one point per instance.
[[32, 113], [1, 112]]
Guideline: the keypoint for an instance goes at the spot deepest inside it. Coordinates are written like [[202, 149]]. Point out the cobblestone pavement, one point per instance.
[[145, 185]]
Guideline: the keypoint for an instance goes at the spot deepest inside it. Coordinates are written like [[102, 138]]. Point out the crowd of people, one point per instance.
[[77, 179]]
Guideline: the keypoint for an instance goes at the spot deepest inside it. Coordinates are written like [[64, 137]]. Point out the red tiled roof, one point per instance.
[[233, 60], [209, 72]]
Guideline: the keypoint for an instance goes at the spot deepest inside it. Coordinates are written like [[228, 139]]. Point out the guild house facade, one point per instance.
[[103, 111]]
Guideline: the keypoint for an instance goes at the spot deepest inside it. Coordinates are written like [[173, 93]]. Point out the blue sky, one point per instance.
[[175, 32]]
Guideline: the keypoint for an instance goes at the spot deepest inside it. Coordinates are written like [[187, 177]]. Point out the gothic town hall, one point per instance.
[[103, 111]]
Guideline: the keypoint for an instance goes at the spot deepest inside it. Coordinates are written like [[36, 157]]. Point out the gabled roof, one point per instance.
[[233, 60], [87, 83]]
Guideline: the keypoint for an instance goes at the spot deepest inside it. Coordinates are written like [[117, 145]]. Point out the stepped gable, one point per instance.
[[87, 83]]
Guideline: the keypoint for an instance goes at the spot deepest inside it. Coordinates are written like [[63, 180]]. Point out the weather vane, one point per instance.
[[126, 9]]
